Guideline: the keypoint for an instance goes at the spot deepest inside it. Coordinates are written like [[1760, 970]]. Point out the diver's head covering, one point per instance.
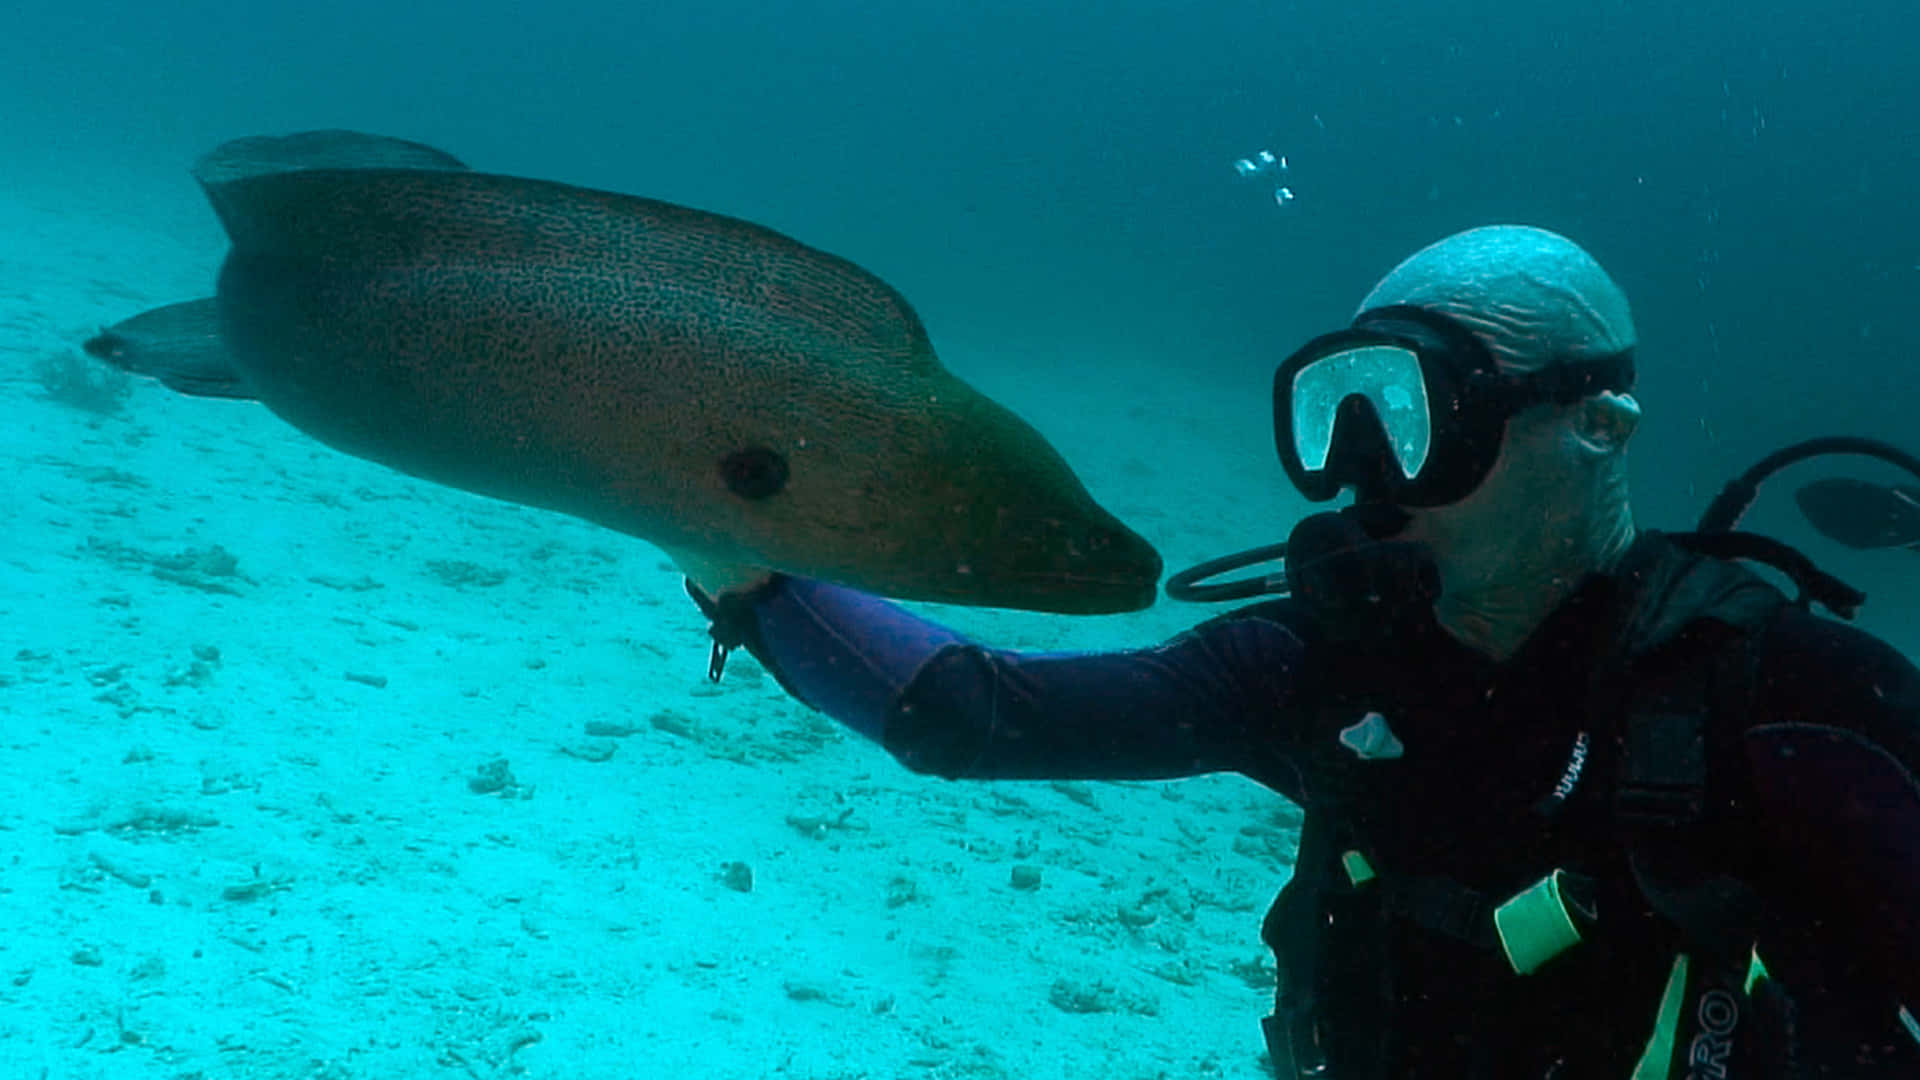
[[1535, 297], [1551, 509]]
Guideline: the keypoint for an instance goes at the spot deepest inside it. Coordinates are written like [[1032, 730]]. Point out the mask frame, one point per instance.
[[1408, 406]]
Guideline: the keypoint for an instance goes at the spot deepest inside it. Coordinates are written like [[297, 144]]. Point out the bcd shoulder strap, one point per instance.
[[1675, 800]]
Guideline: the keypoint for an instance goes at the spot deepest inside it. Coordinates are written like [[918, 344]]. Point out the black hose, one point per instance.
[[1183, 585], [1726, 509]]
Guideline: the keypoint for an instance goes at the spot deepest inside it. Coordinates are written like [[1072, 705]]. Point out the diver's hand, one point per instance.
[[725, 593]]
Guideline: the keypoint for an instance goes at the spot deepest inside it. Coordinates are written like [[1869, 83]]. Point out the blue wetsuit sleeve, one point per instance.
[[1835, 760], [843, 652], [1207, 701]]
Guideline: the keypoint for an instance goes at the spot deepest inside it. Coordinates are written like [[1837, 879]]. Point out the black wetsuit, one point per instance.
[[1820, 777]]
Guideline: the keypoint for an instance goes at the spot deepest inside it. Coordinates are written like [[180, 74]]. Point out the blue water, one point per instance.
[[1052, 184]]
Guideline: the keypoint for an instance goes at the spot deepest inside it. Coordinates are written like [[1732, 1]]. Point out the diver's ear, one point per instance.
[[1606, 421]]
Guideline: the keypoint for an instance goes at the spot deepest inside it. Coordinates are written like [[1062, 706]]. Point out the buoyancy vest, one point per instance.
[[1618, 861]]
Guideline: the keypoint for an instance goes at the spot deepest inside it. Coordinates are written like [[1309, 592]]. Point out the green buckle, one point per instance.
[[1535, 926], [1359, 870]]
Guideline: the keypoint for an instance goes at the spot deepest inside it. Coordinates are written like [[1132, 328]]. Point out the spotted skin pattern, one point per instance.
[[695, 380]]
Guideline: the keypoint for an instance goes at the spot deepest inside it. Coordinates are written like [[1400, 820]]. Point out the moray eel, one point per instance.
[[698, 381]]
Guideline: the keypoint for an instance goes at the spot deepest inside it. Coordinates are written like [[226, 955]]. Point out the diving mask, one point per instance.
[[1408, 406]]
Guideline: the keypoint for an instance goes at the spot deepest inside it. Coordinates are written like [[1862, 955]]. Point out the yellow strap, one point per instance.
[[1534, 927], [1359, 870], [1657, 1061]]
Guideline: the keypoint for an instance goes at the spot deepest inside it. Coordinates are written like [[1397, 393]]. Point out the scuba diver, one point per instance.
[[1582, 800]]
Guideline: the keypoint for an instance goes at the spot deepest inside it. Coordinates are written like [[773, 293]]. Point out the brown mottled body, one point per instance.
[[699, 381]]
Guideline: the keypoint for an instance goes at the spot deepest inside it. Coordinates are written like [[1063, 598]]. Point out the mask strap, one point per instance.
[[1562, 383]]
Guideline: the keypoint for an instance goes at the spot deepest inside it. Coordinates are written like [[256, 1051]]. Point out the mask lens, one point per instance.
[[1387, 378]]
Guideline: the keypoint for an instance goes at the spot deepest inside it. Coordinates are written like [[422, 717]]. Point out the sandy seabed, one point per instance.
[[308, 769]]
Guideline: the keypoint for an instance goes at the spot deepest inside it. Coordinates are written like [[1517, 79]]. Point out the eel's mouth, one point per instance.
[[1123, 577]]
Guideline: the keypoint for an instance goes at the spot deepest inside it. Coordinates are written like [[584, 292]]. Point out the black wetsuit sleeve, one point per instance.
[[1834, 751], [1214, 699]]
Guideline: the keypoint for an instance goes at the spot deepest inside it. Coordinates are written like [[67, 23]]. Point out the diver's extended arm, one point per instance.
[[1202, 702]]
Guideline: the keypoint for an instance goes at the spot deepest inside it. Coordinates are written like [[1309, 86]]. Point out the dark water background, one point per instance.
[[1046, 172]]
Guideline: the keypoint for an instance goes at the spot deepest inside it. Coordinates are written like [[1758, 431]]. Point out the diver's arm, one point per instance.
[[947, 706], [835, 649], [1835, 760]]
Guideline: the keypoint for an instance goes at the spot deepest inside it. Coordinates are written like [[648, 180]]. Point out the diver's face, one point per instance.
[[1521, 510]]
